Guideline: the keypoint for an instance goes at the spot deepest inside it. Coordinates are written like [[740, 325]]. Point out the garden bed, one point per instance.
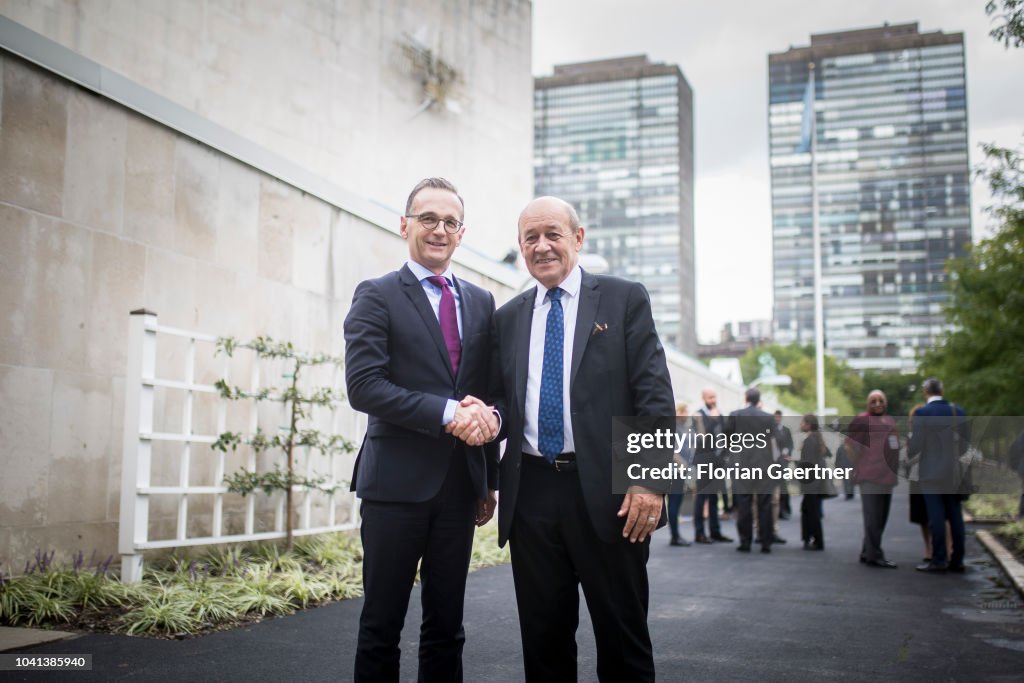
[[182, 596]]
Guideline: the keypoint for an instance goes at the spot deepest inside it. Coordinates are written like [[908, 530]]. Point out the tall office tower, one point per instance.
[[893, 186], [615, 138]]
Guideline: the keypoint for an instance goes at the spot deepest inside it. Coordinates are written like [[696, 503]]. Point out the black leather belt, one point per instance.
[[564, 462]]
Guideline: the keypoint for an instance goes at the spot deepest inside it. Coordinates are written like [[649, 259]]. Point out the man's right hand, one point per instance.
[[474, 422]]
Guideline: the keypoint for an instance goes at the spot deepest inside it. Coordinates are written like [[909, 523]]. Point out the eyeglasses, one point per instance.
[[430, 221]]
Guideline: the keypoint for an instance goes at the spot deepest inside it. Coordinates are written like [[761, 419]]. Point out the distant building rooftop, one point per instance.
[[873, 39]]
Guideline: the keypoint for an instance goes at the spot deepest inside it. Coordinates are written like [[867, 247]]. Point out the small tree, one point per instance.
[[298, 406]]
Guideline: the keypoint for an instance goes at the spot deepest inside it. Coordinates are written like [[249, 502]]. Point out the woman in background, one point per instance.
[[812, 452]]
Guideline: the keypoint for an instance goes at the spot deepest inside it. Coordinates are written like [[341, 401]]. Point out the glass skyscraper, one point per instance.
[[893, 187], [615, 139]]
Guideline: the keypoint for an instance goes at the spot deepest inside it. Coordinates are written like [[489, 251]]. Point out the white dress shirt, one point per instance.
[[570, 307]]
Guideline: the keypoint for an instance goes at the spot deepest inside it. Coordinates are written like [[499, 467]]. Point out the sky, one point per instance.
[[722, 49]]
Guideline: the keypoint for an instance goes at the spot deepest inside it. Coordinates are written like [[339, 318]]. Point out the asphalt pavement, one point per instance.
[[715, 614]]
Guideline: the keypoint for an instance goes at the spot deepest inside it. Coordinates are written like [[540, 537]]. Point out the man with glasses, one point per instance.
[[416, 356]]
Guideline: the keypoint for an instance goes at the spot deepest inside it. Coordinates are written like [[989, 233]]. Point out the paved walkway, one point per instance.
[[715, 615]]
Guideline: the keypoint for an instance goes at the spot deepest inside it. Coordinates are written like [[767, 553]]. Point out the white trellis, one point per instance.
[[139, 437]]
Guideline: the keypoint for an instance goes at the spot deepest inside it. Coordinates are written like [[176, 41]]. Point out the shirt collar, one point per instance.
[[932, 399], [422, 272], [570, 286]]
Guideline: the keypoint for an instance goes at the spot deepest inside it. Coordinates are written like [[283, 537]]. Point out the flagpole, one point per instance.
[[819, 317]]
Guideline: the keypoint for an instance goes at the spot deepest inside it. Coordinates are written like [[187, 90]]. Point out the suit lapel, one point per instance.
[[466, 310], [524, 323], [586, 317], [414, 290]]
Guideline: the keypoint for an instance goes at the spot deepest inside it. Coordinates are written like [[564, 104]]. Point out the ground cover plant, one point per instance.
[[183, 595]]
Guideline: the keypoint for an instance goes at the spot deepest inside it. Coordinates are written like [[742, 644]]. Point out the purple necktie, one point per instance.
[[449, 321]]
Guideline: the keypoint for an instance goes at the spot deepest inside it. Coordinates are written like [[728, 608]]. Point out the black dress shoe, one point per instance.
[[863, 560], [956, 568], [778, 539], [882, 563], [721, 538], [766, 549], [743, 548], [679, 543], [931, 568], [703, 540]]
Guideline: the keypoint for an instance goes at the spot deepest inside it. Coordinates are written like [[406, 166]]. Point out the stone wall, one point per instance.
[[103, 211], [329, 86]]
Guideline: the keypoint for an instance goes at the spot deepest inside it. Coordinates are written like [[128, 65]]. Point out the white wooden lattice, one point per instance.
[[139, 436]]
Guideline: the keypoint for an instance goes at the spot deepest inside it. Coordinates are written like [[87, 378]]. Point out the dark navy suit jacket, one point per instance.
[[618, 369], [398, 372], [932, 436]]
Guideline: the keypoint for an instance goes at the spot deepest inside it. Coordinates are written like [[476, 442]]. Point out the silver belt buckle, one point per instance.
[[558, 464]]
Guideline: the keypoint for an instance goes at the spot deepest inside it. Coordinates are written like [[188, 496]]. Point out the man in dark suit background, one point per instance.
[[415, 346], [940, 433], [570, 355], [758, 425], [784, 438]]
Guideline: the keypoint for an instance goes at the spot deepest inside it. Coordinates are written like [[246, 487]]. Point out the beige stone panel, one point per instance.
[[26, 395], [116, 288], [170, 287], [44, 269], [149, 183], [312, 234], [362, 251], [81, 419], [238, 212], [96, 540], [77, 489], [197, 177], [116, 452], [226, 307], [280, 204], [33, 132], [95, 162]]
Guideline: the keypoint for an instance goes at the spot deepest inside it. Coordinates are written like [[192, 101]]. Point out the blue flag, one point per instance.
[[807, 120]]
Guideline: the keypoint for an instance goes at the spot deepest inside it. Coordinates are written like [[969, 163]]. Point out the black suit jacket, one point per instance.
[[398, 372], [753, 423], [618, 369], [785, 439]]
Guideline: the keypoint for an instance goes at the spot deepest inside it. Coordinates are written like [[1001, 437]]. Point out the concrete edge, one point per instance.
[[17, 638], [1011, 566]]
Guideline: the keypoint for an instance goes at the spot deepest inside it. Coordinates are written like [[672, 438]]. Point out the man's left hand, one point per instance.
[[642, 509], [485, 508]]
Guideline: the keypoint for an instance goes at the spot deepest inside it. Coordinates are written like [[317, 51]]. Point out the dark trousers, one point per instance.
[[943, 507], [810, 519], [395, 538], [675, 501], [698, 514], [745, 518], [784, 501], [875, 501], [554, 551]]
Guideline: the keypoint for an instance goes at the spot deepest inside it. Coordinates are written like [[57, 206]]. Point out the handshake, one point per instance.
[[475, 422]]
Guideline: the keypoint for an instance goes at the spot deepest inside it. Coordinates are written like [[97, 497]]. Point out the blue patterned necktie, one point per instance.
[[549, 420]]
